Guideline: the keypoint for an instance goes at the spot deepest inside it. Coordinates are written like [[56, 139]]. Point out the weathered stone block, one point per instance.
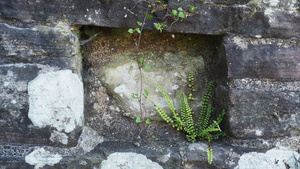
[[264, 108], [15, 126], [122, 84], [48, 44], [263, 58], [216, 17]]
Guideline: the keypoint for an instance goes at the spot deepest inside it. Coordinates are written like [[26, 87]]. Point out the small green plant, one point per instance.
[[151, 8], [205, 128]]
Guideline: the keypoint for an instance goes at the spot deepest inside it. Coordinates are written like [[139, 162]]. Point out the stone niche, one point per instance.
[[111, 76]]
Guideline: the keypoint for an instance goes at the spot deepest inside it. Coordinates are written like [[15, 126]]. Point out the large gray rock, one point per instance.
[[56, 100], [121, 77], [275, 158]]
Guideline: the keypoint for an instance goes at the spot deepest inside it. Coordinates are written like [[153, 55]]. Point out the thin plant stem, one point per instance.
[[141, 65]]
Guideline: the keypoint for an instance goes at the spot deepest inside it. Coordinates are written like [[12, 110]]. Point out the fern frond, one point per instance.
[[210, 155], [189, 127], [206, 133], [205, 108], [221, 116], [182, 110], [172, 107], [163, 114]]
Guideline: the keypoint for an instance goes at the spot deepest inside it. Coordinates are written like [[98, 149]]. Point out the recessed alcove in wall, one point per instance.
[[111, 75]]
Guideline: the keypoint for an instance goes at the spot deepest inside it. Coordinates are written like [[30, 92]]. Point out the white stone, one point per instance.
[[56, 99], [273, 159], [128, 160], [258, 132], [41, 157]]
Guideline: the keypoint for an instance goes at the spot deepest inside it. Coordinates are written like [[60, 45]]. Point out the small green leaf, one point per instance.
[[133, 95], [149, 16], [130, 30], [180, 9], [158, 2], [174, 12], [181, 15], [146, 92], [141, 60], [148, 121], [130, 69], [138, 30], [168, 15], [147, 67], [159, 26], [153, 11], [192, 9], [139, 23], [153, 136], [138, 120]]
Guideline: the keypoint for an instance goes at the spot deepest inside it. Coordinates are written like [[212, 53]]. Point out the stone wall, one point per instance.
[[65, 99]]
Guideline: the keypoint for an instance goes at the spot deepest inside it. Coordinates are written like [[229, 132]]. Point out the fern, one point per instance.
[[205, 108], [205, 128], [210, 155], [173, 109]]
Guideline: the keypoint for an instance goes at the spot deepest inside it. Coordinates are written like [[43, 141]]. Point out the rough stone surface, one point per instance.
[[50, 44], [264, 86], [268, 19], [59, 137], [56, 100], [41, 157], [264, 114], [128, 160], [15, 125], [263, 58], [175, 78], [274, 158]]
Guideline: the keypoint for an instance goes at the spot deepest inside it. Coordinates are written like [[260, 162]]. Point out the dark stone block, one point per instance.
[[28, 41], [217, 17], [15, 126], [264, 114], [263, 58]]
